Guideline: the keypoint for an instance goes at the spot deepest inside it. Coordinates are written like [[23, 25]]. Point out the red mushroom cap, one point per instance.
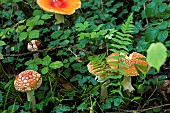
[[111, 59], [27, 81], [134, 58], [96, 71], [66, 7]]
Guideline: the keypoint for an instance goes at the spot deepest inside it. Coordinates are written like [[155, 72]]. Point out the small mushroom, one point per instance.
[[131, 61], [98, 72], [33, 46], [60, 7], [27, 81], [100, 75]]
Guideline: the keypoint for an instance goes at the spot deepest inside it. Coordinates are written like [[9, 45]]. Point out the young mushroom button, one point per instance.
[[27, 81]]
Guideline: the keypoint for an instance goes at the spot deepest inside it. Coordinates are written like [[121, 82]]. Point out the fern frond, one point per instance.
[[128, 26]]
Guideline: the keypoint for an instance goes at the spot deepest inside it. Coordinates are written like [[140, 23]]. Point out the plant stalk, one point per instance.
[[31, 99], [104, 92]]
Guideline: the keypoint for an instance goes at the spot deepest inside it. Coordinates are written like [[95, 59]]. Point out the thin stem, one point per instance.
[[104, 92], [31, 99], [59, 18]]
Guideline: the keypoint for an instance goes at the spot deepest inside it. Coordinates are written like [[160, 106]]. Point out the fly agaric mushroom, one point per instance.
[[98, 72], [27, 81], [100, 75], [63, 7], [131, 61], [33, 46]]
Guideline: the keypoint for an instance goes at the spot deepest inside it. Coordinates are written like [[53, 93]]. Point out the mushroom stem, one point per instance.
[[36, 55], [104, 92], [126, 83], [59, 18], [31, 99]]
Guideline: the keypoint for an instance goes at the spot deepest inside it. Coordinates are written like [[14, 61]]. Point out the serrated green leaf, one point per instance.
[[56, 65], [156, 55]]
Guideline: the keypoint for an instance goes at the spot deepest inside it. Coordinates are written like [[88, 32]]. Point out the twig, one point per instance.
[[149, 98], [47, 49], [144, 7], [143, 110]]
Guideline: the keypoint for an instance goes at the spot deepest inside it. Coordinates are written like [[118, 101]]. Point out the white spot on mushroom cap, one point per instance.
[[27, 81]]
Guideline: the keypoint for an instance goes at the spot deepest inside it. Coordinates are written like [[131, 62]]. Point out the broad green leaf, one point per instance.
[[151, 9], [118, 101], [82, 27], [2, 43], [162, 36], [156, 55], [32, 21], [56, 34], [65, 42], [32, 67], [44, 70], [46, 16], [151, 34], [56, 64], [20, 28], [37, 12], [34, 34], [46, 60], [162, 7], [163, 25], [23, 36]]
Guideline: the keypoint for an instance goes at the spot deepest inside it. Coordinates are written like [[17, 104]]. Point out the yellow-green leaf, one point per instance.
[[156, 55]]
